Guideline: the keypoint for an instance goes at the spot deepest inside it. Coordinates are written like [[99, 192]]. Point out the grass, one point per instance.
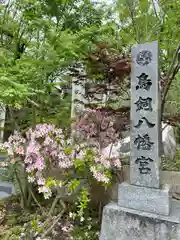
[[171, 165]]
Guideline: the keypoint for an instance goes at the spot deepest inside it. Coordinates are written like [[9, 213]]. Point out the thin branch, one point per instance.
[[20, 187], [9, 7], [110, 151], [56, 219], [36, 201], [171, 75], [120, 175], [14, 122], [153, 29], [53, 206], [54, 223], [32, 102], [61, 14], [173, 61], [14, 13], [19, 28]]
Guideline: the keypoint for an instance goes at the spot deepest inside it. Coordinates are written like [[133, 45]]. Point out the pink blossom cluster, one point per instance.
[[15, 147], [102, 167], [43, 148], [99, 176], [107, 162], [46, 147], [99, 165]]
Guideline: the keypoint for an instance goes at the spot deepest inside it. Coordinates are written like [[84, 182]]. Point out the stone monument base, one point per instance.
[[153, 200], [120, 223]]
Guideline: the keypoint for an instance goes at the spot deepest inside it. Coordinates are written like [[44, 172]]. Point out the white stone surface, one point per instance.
[[168, 141], [4, 195], [6, 189], [144, 199]]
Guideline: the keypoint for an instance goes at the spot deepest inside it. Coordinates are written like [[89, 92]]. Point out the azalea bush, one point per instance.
[[45, 148], [35, 154]]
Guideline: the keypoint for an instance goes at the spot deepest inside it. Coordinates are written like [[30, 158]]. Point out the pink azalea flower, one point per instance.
[[39, 163], [20, 150]]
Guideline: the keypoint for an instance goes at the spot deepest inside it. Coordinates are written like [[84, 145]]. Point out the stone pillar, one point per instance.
[[143, 211], [78, 96], [2, 120], [145, 116], [145, 193]]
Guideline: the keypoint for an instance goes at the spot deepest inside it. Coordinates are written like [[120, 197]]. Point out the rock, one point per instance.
[[169, 141], [3, 195], [6, 189]]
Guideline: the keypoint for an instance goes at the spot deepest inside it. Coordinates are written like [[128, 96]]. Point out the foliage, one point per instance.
[[132, 23], [169, 165], [146, 21], [45, 37], [39, 40], [89, 230]]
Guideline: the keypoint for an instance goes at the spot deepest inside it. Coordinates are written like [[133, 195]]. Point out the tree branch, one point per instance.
[[131, 10], [53, 224], [32, 102], [56, 219], [170, 76], [36, 201], [20, 188], [173, 62]]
